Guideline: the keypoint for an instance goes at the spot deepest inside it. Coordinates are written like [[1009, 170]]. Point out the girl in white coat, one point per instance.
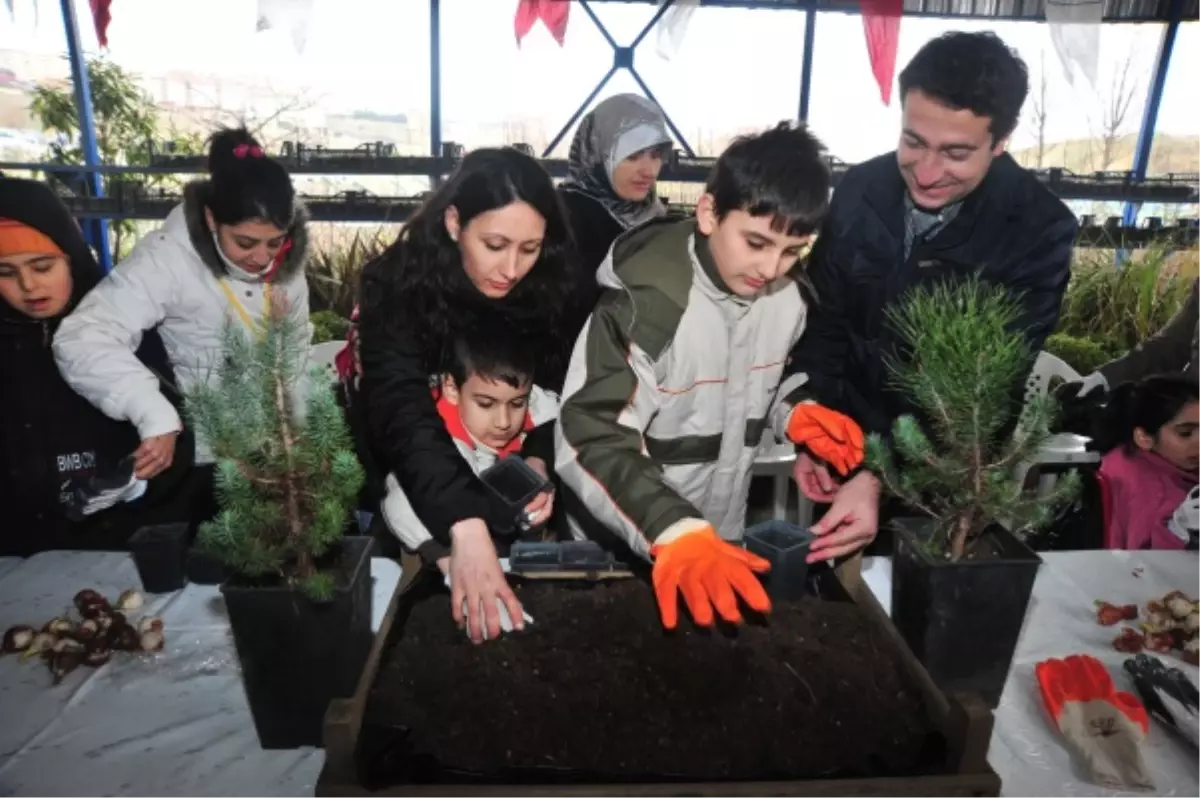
[[234, 248]]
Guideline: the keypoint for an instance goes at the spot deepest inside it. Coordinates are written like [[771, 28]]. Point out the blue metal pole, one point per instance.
[[1145, 142], [94, 230], [435, 79], [810, 27]]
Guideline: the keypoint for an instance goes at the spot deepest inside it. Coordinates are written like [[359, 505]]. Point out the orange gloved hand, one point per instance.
[[828, 435], [1101, 725], [709, 571]]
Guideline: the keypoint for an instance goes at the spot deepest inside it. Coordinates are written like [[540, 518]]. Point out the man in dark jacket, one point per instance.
[[949, 203], [49, 435]]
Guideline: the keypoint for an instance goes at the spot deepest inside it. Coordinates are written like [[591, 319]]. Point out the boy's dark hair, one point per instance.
[[973, 71], [781, 173], [495, 351]]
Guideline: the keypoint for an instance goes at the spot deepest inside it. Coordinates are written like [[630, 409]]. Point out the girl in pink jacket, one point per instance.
[[1150, 474]]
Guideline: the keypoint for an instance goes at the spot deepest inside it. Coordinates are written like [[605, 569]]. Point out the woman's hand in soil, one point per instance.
[[813, 479], [154, 455], [851, 522], [539, 510], [710, 572], [478, 581]]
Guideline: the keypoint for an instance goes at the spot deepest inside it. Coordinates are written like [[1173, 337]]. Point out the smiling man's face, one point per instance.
[[943, 154]]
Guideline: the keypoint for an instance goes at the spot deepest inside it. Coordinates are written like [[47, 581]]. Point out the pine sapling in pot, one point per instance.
[[287, 477], [962, 575], [287, 480]]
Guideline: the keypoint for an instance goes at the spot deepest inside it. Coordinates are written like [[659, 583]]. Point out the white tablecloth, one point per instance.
[[172, 723], [1027, 753], [177, 723]]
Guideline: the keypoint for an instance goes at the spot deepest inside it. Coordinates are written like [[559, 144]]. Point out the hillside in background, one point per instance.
[[1084, 156]]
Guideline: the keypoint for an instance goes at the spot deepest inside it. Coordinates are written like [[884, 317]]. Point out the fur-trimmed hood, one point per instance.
[[201, 237]]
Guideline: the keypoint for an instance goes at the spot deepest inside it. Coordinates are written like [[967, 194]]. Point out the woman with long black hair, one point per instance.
[[491, 242]]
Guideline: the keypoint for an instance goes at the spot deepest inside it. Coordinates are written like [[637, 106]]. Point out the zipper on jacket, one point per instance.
[[45, 334]]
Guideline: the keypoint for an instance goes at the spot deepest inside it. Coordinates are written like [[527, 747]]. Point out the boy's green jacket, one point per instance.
[[671, 388]]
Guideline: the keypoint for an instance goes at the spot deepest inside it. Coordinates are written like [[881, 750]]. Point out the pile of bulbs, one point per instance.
[[1171, 624], [102, 628]]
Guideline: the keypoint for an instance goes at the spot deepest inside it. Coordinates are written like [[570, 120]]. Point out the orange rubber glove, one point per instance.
[[1104, 727], [708, 570], [828, 435]]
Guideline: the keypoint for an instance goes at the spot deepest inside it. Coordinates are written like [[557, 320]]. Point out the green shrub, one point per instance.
[[333, 271], [328, 326], [1082, 354], [1117, 307]]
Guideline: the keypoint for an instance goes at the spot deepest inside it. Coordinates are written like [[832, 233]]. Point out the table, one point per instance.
[[177, 723], [172, 723], [1027, 753]]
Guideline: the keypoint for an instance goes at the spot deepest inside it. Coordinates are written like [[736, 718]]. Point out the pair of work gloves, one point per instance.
[[711, 572], [1105, 727]]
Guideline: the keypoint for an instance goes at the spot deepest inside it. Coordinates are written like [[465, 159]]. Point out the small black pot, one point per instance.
[[298, 655], [515, 484], [204, 569], [962, 619], [158, 552], [785, 546]]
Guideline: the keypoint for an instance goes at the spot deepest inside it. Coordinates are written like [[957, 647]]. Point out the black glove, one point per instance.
[[1168, 694]]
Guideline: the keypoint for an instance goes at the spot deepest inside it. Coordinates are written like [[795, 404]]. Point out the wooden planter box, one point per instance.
[[964, 721]]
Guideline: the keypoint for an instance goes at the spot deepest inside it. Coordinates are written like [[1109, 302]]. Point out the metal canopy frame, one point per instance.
[[1172, 11]]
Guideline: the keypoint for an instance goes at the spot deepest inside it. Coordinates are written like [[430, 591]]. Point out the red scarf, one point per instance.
[[454, 425]]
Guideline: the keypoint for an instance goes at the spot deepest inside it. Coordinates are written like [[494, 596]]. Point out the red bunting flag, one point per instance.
[[101, 16], [552, 13], [881, 23]]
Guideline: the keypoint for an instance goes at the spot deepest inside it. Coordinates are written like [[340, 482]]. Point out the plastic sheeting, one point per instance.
[[176, 722], [1026, 750], [171, 723]]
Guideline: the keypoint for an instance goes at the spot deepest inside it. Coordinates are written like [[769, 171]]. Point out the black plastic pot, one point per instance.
[[785, 546], [298, 655], [158, 552], [962, 619], [515, 484], [204, 569]]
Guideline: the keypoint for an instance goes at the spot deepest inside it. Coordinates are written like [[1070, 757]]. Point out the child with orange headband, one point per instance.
[[50, 437]]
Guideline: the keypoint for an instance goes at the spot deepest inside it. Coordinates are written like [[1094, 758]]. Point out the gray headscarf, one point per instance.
[[620, 126]]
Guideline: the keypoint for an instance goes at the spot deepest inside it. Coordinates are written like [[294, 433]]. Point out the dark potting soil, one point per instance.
[[596, 686]]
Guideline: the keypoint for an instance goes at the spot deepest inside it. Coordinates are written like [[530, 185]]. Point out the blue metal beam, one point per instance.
[[1145, 142], [622, 59], [94, 230], [435, 78], [810, 27]]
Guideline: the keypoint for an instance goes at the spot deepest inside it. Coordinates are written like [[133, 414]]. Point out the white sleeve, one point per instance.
[[95, 346]]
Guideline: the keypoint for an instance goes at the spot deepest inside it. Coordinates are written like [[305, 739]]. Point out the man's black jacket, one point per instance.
[[1010, 231]]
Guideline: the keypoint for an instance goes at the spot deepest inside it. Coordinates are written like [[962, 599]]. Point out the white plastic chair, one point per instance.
[[324, 354], [776, 460], [1061, 449]]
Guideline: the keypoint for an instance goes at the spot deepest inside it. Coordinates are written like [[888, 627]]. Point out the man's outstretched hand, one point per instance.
[[711, 573], [850, 523]]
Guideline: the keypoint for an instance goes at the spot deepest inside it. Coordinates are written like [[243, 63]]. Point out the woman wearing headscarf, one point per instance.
[[615, 158]]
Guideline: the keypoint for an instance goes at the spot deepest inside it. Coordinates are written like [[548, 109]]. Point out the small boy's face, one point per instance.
[[492, 410], [37, 284], [747, 252]]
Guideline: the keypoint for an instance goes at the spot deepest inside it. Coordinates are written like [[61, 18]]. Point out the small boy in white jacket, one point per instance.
[[489, 404]]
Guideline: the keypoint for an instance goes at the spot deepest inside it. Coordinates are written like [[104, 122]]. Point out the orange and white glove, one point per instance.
[[710, 572], [1104, 727], [827, 434]]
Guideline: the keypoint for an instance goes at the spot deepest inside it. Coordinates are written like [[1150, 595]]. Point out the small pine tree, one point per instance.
[[285, 483], [962, 359]]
